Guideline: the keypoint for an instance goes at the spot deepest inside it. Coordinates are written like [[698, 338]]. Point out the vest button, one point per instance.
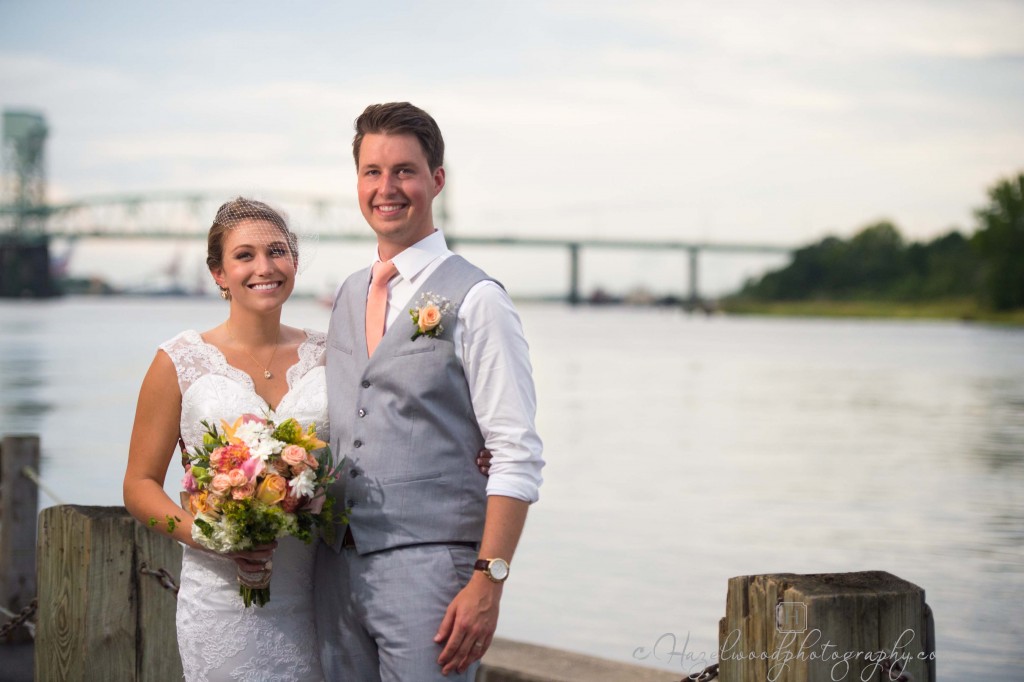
[[366, 384], [362, 413], [358, 444]]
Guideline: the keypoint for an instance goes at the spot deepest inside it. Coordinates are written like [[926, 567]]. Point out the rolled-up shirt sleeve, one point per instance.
[[490, 343]]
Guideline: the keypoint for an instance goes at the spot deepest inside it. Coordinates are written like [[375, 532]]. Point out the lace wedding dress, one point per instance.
[[218, 638]]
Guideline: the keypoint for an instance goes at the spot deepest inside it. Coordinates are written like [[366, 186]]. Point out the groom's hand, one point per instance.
[[469, 624]]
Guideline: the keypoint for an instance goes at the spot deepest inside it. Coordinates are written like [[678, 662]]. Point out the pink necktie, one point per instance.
[[377, 303]]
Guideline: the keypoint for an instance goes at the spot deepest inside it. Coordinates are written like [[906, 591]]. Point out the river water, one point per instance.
[[681, 451]]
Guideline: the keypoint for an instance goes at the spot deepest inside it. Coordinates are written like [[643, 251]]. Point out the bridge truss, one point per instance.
[[187, 215]]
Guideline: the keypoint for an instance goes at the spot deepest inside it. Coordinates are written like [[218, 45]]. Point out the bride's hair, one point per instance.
[[239, 210]]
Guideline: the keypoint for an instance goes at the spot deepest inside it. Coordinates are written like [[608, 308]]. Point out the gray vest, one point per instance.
[[404, 421]]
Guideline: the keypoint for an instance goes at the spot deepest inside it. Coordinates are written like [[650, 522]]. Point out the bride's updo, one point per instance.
[[240, 210]]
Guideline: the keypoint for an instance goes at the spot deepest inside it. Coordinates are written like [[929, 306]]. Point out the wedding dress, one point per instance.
[[218, 638]]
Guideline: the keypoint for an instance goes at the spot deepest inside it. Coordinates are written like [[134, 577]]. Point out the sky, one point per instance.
[[731, 121]]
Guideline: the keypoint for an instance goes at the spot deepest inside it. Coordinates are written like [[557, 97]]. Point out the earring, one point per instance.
[[225, 294]]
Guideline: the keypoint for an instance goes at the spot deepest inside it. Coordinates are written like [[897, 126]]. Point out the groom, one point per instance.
[[411, 592]]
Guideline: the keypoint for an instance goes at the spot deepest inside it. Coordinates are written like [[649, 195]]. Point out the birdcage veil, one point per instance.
[[268, 224]]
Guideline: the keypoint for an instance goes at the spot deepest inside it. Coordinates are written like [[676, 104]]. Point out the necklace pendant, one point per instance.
[[267, 374]]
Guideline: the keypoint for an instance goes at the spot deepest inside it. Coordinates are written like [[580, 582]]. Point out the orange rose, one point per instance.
[[429, 317], [197, 503], [272, 490]]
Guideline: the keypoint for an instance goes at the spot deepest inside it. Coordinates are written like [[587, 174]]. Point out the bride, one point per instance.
[[249, 364]]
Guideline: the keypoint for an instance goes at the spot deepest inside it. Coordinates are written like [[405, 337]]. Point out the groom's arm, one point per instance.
[[494, 354], [472, 617]]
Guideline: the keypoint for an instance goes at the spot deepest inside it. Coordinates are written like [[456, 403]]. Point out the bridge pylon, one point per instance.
[[24, 244]]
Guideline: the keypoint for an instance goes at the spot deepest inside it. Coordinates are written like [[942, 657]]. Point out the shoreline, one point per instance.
[[506, 661], [963, 310]]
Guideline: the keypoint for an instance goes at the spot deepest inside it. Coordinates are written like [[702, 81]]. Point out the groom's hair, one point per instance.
[[401, 118]]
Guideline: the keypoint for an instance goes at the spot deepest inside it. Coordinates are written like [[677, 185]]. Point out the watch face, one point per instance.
[[499, 569]]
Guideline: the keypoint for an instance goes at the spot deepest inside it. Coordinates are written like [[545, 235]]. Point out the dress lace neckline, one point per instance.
[[307, 352]]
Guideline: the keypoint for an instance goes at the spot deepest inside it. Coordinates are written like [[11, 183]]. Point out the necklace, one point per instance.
[[266, 370]]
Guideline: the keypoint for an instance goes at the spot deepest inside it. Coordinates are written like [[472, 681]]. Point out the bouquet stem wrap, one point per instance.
[[254, 586]]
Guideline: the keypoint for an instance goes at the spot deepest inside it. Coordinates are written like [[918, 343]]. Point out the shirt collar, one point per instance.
[[415, 258]]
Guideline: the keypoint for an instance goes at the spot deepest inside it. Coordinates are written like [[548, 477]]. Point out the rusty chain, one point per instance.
[[161, 574], [892, 671], [709, 673], [20, 619]]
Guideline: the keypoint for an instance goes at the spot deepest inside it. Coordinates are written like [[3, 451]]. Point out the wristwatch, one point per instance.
[[496, 570]]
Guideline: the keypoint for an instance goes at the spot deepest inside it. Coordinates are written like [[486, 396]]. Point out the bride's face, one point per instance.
[[258, 266]]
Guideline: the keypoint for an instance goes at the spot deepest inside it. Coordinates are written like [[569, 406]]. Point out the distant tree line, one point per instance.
[[878, 264]]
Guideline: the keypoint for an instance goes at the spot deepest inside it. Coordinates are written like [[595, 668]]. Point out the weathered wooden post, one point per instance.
[[835, 626], [19, 501], [100, 617]]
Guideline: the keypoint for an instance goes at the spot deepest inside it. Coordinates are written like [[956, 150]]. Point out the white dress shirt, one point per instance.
[[491, 347]]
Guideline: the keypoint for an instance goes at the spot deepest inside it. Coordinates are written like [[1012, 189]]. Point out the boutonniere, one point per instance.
[[427, 316]]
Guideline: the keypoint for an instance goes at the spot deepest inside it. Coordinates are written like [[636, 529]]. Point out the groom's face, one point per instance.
[[396, 189]]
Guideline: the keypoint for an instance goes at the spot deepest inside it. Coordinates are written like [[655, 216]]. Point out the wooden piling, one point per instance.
[[837, 626], [19, 501], [99, 617]]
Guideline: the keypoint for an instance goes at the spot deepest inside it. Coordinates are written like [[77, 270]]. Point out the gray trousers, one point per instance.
[[377, 614]]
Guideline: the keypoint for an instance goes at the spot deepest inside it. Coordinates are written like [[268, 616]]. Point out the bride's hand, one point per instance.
[[254, 560], [483, 461]]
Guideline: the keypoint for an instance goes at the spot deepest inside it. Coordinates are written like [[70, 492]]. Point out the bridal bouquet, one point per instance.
[[254, 481]]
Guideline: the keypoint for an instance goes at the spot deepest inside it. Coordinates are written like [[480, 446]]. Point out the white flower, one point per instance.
[[265, 447], [222, 540], [253, 432], [303, 484]]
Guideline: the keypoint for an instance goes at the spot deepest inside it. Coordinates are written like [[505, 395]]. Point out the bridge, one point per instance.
[[187, 215]]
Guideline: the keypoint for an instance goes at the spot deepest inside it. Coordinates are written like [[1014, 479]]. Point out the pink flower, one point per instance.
[[293, 454], [216, 456], [243, 492], [220, 484], [311, 461], [250, 417], [188, 482], [253, 467], [230, 457], [290, 504], [237, 478]]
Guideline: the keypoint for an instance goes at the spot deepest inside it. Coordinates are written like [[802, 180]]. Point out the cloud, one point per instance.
[[734, 120], [810, 29]]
